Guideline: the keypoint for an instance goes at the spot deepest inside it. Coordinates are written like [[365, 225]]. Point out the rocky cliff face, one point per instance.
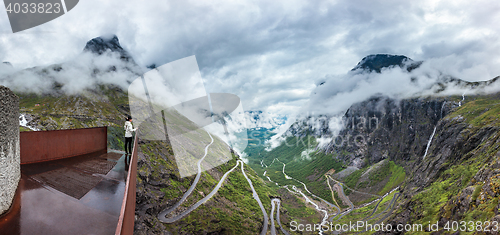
[[459, 178], [10, 159], [381, 127], [448, 147], [441, 85]]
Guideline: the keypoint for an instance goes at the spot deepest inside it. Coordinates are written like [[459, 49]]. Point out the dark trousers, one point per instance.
[[128, 144]]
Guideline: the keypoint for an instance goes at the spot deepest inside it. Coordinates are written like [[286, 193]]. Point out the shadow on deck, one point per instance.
[[84, 194]]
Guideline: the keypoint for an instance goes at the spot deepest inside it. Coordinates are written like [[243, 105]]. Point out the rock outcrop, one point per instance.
[[10, 159]]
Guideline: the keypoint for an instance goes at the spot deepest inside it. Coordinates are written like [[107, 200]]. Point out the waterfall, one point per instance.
[[460, 102], [23, 122], [441, 113], [429, 142], [433, 132]]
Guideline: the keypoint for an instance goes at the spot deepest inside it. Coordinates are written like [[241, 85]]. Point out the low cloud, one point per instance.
[[86, 71], [270, 53], [338, 93], [334, 95]]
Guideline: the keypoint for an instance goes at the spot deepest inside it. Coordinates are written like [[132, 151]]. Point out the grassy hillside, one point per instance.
[[232, 210], [308, 165], [106, 105]]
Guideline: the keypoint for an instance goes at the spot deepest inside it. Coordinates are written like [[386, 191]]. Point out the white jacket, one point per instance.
[[129, 129]]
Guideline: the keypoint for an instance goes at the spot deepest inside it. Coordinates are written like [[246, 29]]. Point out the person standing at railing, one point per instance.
[[128, 135]]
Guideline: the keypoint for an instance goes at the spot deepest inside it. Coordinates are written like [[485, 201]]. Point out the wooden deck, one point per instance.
[[77, 195]]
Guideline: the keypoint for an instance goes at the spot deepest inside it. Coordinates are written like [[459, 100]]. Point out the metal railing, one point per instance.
[[40, 146], [127, 214]]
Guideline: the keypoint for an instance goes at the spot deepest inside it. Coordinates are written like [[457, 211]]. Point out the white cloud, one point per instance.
[[271, 54], [85, 71]]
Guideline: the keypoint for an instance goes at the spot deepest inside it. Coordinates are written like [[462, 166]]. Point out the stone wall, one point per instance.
[[10, 159]]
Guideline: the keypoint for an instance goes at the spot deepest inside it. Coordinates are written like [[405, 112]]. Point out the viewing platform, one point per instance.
[[71, 184]]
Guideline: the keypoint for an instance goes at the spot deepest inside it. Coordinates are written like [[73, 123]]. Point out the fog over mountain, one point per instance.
[[404, 79], [302, 76], [271, 54], [392, 76], [102, 61]]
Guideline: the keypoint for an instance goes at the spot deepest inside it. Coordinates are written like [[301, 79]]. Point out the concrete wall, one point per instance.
[[10, 160]]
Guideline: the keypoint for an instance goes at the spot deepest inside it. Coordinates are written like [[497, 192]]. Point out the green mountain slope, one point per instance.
[[457, 180], [232, 210], [106, 105]]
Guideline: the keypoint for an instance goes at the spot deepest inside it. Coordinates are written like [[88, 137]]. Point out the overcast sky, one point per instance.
[[271, 53]]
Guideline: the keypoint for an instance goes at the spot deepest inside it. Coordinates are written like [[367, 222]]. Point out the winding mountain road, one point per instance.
[[351, 205], [162, 216], [307, 190], [331, 190], [366, 204], [338, 182], [256, 197], [164, 213], [307, 199], [391, 206], [273, 228]]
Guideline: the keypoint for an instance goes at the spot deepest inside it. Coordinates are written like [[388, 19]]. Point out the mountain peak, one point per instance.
[[102, 44], [378, 61]]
